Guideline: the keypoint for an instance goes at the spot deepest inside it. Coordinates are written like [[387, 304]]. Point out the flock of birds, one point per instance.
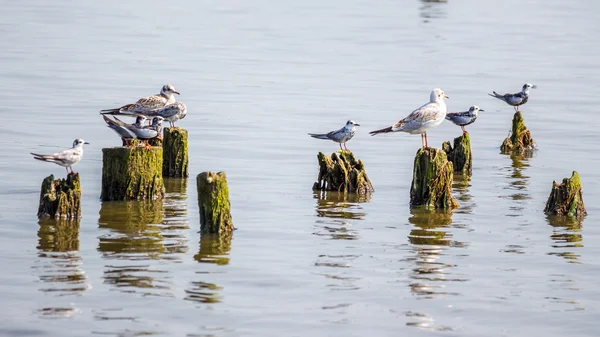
[[427, 117], [161, 107]]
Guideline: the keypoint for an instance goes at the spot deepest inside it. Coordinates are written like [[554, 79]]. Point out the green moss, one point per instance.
[[213, 203], [61, 198], [460, 155], [175, 152], [132, 173], [342, 172], [432, 180], [520, 140], [566, 198]]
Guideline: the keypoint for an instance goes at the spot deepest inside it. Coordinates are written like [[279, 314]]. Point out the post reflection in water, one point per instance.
[[460, 189], [60, 263], [214, 250], [175, 222], [433, 9], [567, 237]]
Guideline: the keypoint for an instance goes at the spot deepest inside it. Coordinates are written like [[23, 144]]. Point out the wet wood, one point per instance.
[[460, 155], [342, 172], [61, 198], [520, 140], [566, 198], [175, 152], [432, 180], [213, 203]]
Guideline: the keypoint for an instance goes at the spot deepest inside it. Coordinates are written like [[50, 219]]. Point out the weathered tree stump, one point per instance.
[[60, 199], [432, 180], [132, 174], [460, 155], [175, 152], [566, 198], [520, 139], [341, 172], [213, 202]]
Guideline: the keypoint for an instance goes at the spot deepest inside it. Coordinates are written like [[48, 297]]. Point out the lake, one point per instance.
[[257, 76]]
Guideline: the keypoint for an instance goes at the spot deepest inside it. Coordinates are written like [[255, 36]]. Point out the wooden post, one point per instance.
[[213, 202], [60, 199], [175, 152], [432, 180], [520, 140], [460, 155], [132, 174], [566, 198], [341, 172]]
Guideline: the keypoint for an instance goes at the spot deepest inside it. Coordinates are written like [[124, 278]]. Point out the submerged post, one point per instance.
[[132, 173], [460, 155], [60, 199], [566, 198], [175, 152], [520, 139], [432, 180], [213, 202], [342, 172]]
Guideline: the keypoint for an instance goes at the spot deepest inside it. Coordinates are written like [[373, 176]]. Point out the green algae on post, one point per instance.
[[175, 152], [460, 155], [132, 174], [520, 140], [432, 180], [213, 203], [342, 172], [61, 198], [566, 198]]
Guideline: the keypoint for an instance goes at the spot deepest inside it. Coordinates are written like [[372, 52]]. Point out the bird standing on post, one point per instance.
[[340, 136], [66, 158], [464, 118], [166, 96], [517, 99]]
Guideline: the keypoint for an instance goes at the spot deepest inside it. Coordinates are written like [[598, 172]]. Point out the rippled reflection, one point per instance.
[[433, 9], [461, 191], [175, 223], [60, 262], [566, 237], [336, 211], [214, 249]]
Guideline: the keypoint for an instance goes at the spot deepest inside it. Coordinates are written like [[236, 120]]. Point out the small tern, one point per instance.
[[464, 118], [517, 99], [66, 158], [136, 131], [340, 136]]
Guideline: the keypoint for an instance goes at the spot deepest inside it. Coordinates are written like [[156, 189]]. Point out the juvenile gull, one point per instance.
[[166, 96], [66, 158], [340, 136], [171, 112], [517, 99], [464, 118], [423, 119]]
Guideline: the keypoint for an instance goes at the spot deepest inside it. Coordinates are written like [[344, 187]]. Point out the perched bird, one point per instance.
[[171, 112], [423, 119], [464, 118], [66, 158], [166, 96], [340, 136], [122, 131], [136, 131], [517, 99]]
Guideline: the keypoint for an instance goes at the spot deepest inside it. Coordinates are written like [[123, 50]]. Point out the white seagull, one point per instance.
[[423, 119], [166, 96], [517, 99], [340, 136], [66, 158]]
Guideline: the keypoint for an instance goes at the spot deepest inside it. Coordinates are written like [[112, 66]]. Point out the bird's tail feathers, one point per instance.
[[495, 94], [318, 135], [384, 130], [117, 111]]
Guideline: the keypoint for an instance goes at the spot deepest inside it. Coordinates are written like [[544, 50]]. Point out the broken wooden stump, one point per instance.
[[341, 172], [520, 140], [566, 198], [175, 152], [61, 198], [432, 180], [213, 202], [132, 174], [460, 155]]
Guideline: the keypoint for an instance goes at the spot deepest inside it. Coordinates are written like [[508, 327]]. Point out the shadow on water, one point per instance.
[[433, 9], [566, 237], [60, 266]]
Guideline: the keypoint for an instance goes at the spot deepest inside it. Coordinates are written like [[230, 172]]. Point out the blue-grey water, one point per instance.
[[256, 77]]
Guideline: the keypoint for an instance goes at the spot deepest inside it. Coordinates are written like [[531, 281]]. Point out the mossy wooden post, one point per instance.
[[566, 198], [213, 202], [342, 172], [61, 198], [460, 155], [132, 173], [432, 180], [520, 139], [175, 152]]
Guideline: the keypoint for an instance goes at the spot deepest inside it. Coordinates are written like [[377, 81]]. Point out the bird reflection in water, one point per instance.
[[433, 9], [335, 211], [566, 237]]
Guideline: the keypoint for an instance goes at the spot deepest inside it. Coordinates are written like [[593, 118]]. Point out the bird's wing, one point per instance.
[[337, 134], [421, 115], [145, 133], [513, 98], [117, 126], [453, 115], [151, 102]]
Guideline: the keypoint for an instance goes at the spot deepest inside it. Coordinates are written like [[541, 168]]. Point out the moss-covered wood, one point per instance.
[[432, 180], [132, 173], [175, 152], [61, 198], [520, 139], [213, 203], [566, 198], [342, 172], [460, 155]]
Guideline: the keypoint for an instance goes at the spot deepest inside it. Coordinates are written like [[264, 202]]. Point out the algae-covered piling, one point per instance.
[[175, 152], [132, 173], [566, 198], [460, 155], [342, 172], [213, 202], [520, 139], [61, 198], [432, 180]]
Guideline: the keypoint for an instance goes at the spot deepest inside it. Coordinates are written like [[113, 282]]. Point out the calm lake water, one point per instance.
[[256, 77]]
